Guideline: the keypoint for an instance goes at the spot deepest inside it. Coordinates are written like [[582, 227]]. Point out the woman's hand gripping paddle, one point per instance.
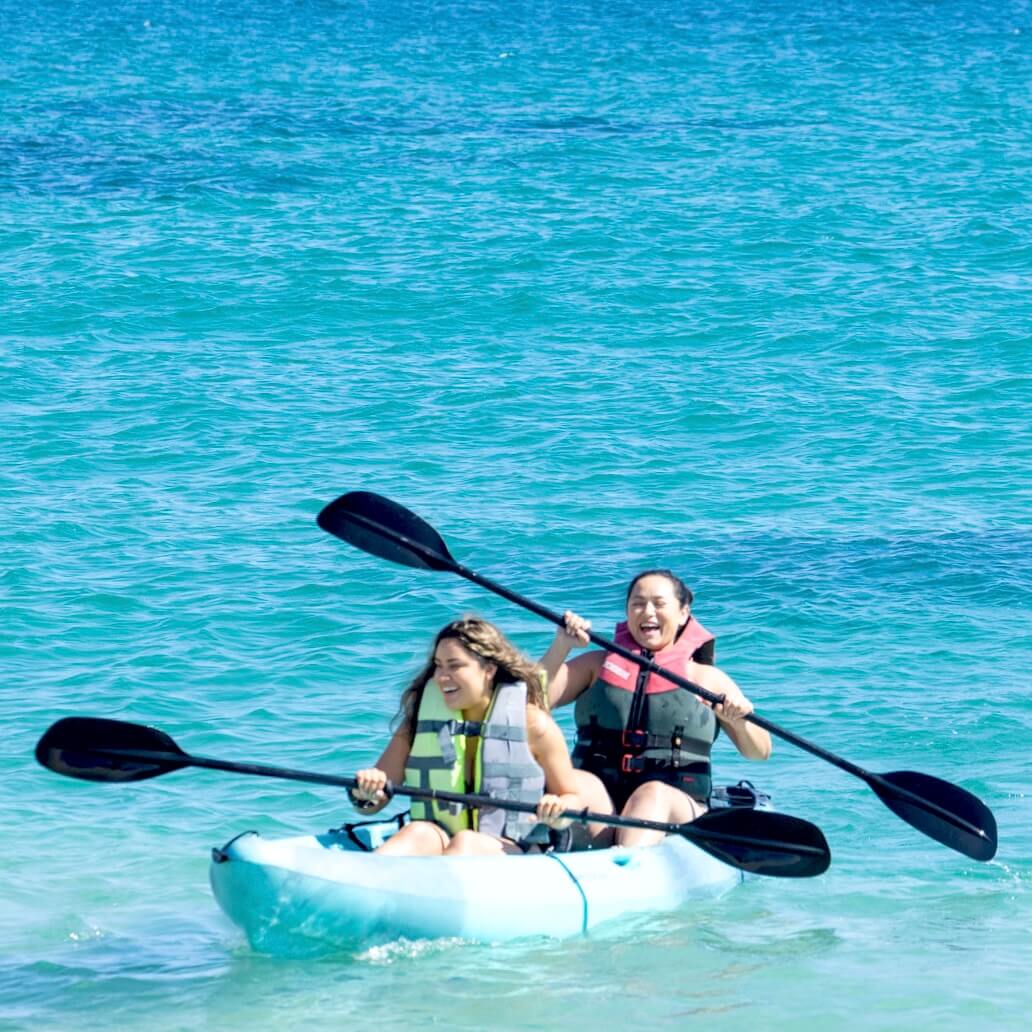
[[758, 841]]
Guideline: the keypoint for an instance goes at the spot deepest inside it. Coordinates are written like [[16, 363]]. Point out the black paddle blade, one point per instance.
[[761, 841], [943, 811], [385, 529], [88, 747]]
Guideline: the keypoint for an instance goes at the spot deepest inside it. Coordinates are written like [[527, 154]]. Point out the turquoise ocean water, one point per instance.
[[740, 288]]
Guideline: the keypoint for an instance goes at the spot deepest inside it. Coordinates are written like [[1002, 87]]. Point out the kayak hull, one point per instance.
[[323, 893]]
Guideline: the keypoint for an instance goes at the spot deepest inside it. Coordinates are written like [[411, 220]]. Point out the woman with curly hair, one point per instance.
[[475, 719]]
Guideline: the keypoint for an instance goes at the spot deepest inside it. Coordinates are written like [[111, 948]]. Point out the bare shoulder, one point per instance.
[[710, 677], [548, 747], [582, 670], [588, 663], [539, 723], [573, 677], [393, 759]]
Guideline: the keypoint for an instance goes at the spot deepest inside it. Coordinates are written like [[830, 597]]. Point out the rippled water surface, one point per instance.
[[738, 288]]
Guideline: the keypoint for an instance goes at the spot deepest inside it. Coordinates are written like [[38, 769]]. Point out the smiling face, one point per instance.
[[654, 614], [464, 679]]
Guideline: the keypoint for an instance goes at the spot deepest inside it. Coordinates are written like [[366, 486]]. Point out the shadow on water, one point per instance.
[[127, 148]]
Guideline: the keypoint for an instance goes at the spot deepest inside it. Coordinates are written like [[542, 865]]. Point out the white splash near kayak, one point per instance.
[[319, 893]]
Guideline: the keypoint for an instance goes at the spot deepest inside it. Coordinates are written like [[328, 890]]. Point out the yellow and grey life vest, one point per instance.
[[504, 767]]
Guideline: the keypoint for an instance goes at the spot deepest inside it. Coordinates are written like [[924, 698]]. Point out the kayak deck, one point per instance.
[[321, 893]]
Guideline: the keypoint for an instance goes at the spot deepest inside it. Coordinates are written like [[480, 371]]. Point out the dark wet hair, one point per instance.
[[681, 590]]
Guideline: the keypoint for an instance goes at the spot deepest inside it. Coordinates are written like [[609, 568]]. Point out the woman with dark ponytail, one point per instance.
[[643, 743]]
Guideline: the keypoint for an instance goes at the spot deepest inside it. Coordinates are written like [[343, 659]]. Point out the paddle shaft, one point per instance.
[[438, 561], [874, 780], [468, 799]]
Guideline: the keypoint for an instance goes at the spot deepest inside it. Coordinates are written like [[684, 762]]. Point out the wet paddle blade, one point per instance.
[[88, 747], [385, 529], [943, 811], [761, 842]]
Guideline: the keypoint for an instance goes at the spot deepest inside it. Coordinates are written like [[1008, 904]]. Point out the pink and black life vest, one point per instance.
[[634, 725]]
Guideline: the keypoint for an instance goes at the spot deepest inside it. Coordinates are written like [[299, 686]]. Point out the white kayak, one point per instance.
[[321, 893]]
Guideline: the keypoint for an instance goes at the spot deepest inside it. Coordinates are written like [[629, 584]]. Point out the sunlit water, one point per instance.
[[738, 288]]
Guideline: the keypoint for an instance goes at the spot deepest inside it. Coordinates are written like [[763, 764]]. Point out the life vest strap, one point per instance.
[[632, 764], [512, 771], [594, 737], [473, 729], [455, 727], [422, 763]]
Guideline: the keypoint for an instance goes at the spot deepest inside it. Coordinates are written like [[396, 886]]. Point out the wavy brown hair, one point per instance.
[[489, 645]]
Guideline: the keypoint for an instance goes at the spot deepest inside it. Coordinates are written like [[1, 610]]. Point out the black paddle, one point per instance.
[[943, 811], [758, 841]]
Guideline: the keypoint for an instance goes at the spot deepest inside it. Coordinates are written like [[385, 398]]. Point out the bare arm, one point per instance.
[[573, 678], [548, 746], [389, 767], [751, 741], [566, 680]]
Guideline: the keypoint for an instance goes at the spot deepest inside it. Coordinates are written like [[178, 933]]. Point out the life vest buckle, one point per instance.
[[636, 739], [630, 764]]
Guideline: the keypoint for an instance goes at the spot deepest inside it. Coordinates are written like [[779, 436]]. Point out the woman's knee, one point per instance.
[[655, 801], [461, 842], [592, 792], [418, 838], [658, 801], [650, 794], [470, 843]]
